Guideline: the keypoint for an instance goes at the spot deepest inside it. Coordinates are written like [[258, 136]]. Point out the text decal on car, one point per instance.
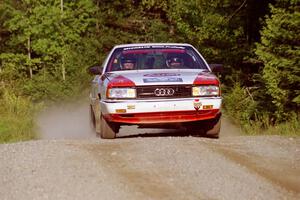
[[161, 74], [162, 79]]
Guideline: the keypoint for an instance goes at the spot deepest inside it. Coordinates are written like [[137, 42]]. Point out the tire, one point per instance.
[[98, 125], [213, 128], [108, 130], [207, 128], [92, 118]]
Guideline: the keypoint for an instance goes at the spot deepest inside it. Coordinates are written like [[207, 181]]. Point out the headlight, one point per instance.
[[209, 90], [121, 93]]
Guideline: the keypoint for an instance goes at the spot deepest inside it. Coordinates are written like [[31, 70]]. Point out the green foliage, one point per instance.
[[280, 51], [208, 25], [127, 22], [13, 67], [17, 118], [250, 111], [48, 33], [239, 104], [44, 58]]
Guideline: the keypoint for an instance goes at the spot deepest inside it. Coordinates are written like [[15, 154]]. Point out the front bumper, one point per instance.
[[161, 111]]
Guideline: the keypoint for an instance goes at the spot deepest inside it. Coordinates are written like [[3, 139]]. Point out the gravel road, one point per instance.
[[149, 164]]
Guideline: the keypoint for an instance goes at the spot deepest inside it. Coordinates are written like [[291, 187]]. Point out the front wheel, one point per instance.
[[213, 127], [208, 128], [92, 118], [108, 129]]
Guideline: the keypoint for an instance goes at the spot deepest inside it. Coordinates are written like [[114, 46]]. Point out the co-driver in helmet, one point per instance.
[[174, 62], [128, 63]]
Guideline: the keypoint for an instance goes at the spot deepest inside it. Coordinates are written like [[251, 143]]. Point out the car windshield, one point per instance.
[[154, 57]]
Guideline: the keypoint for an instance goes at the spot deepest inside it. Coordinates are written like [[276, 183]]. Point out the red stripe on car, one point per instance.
[[163, 117]]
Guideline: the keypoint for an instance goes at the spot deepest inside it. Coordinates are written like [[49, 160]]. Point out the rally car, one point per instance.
[[153, 85]]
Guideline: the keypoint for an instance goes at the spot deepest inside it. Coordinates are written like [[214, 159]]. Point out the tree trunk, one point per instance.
[[29, 56], [63, 69], [62, 6], [97, 21]]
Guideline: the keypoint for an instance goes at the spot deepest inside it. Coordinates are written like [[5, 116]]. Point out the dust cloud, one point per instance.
[[228, 128], [65, 121]]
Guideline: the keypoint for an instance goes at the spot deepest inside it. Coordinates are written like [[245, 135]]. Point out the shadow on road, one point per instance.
[[161, 134], [134, 132]]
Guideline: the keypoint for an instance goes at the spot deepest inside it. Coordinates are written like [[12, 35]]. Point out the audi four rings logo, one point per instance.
[[164, 92]]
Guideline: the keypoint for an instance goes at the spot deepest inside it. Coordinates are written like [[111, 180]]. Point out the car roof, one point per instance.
[[152, 44]]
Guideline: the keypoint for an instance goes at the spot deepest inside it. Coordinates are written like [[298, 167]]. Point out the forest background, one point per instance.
[[46, 46]]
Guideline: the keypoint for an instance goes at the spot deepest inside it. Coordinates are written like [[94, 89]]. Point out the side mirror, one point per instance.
[[216, 68], [95, 70]]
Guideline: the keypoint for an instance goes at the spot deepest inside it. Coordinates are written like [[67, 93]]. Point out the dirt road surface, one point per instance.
[[71, 163]]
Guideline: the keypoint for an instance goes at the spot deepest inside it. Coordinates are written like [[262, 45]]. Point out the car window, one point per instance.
[[142, 58]]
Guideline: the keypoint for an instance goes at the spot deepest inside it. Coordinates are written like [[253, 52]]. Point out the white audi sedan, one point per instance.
[[155, 85]]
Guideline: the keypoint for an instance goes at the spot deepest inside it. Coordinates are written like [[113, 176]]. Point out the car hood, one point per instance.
[[165, 77]]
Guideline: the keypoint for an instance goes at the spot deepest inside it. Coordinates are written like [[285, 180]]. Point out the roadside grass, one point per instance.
[[14, 130], [17, 118], [290, 128], [242, 109], [18, 113]]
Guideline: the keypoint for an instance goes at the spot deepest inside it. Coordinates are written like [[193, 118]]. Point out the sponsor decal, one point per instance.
[[138, 47], [206, 107], [156, 47], [162, 79], [197, 104], [161, 74], [130, 107], [120, 110]]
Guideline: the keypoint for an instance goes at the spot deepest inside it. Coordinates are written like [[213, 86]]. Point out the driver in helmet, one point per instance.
[[128, 63], [174, 62]]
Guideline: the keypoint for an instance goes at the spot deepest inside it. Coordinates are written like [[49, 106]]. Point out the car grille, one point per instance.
[[164, 91]]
